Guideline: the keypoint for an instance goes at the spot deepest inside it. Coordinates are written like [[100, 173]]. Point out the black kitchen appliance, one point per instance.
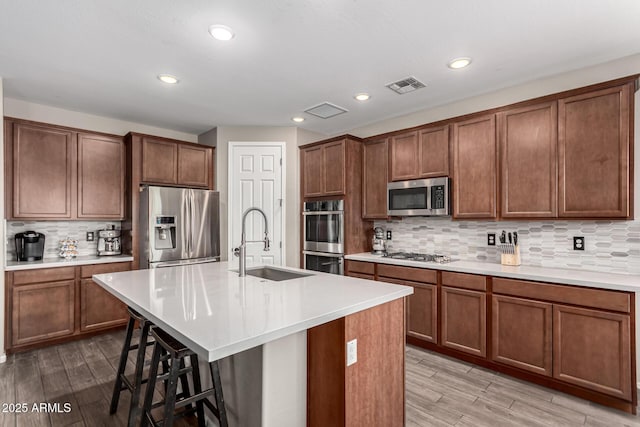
[[29, 246]]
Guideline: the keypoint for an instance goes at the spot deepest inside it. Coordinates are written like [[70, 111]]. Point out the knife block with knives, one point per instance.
[[509, 252]]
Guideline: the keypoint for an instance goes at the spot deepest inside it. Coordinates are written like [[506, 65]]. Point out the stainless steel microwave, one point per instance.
[[419, 197]]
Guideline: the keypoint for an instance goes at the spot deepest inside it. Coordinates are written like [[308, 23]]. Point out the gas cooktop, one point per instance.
[[412, 256]]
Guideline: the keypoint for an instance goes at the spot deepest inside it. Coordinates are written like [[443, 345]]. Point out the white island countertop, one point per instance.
[[61, 262], [567, 276], [216, 313]]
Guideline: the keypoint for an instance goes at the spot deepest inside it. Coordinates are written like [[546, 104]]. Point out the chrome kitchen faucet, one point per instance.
[[241, 251]]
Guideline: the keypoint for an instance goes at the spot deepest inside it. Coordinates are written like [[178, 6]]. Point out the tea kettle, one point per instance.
[[379, 242]]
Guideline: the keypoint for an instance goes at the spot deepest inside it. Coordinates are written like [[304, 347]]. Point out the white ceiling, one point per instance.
[[102, 57]]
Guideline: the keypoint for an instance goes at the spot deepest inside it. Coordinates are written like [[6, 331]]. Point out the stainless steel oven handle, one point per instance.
[[323, 213], [329, 255], [338, 262]]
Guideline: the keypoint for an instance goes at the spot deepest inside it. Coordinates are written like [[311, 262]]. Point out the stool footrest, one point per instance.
[[182, 371], [193, 399]]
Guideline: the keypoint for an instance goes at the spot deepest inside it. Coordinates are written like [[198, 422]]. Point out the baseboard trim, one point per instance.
[[3, 358]]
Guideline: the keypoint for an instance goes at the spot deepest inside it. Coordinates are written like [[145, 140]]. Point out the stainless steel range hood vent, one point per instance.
[[407, 85]]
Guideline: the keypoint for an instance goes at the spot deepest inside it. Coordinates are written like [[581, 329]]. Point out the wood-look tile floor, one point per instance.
[[440, 391]]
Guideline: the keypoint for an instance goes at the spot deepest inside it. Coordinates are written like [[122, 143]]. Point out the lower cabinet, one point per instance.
[[49, 304], [98, 308], [42, 311], [359, 269], [464, 324], [592, 349], [522, 333], [575, 339], [422, 312]]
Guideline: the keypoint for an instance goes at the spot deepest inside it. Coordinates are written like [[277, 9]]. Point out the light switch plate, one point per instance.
[[352, 352]]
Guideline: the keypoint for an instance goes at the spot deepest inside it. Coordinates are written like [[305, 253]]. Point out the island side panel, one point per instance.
[[375, 383], [370, 392], [326, 362]]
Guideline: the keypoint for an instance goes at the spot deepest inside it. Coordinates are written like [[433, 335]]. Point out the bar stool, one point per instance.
[[175, 354], [133, 386]]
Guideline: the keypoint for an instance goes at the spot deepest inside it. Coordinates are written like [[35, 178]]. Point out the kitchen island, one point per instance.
[[261, 329]]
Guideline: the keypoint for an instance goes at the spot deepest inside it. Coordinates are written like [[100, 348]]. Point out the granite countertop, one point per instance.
[[592, 279], [61, 262], [216, 313]]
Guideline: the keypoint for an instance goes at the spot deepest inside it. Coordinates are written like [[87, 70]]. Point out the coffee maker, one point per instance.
[[29, 246], [379, 242], [109, 241]]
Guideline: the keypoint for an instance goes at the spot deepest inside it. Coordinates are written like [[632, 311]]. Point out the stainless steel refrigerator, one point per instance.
[[178, 226]]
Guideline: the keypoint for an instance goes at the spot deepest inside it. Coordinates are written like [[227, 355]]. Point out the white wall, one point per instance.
[[288, 135], [58, 116], [3, 357], [557, 83]]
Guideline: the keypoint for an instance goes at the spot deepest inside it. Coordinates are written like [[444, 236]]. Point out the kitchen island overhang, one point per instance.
[[218, 314]]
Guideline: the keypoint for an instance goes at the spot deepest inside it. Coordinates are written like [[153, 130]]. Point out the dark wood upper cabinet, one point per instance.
[[474, 168], [43, 160], [194, 164], [374, 179], [167, 161], [334, 168], [403, 156], [594, 153], [324, 169], [528, 153], [53, 172], [159, 161], [420, 154], [433, 152], [101, 176], [312, 167]]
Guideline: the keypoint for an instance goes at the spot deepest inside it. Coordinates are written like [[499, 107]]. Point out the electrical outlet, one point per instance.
[[388, 234], [90, 236], [352, 352], [578, 243], [491, 239]]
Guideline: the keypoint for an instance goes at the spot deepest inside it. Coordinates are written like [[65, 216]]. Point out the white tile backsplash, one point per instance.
[[611, 246], [55, 231]]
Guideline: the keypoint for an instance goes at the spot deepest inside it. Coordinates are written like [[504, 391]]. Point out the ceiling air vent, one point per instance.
[[406, 85], [326, 110]]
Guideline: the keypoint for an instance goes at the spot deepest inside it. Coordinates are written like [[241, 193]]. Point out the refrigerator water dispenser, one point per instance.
[[165, 232]]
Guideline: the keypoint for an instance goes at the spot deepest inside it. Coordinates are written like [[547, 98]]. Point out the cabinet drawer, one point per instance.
[[408, 273], [361, 276], [87, 271], [361, 267], [464, 281], [43, 275], [596, 298]]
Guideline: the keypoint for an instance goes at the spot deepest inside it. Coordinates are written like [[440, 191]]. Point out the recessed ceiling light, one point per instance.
[[168, 78], [362, 96], [221, 32], [298, 119], [459, 63]]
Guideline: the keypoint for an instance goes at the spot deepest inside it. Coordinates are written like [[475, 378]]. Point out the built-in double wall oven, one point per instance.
[[323, 229]]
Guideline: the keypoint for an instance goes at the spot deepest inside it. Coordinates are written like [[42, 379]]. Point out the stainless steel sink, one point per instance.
[[274, 274]]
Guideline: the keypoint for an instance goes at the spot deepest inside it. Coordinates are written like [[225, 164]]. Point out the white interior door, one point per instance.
[[256, 177]]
